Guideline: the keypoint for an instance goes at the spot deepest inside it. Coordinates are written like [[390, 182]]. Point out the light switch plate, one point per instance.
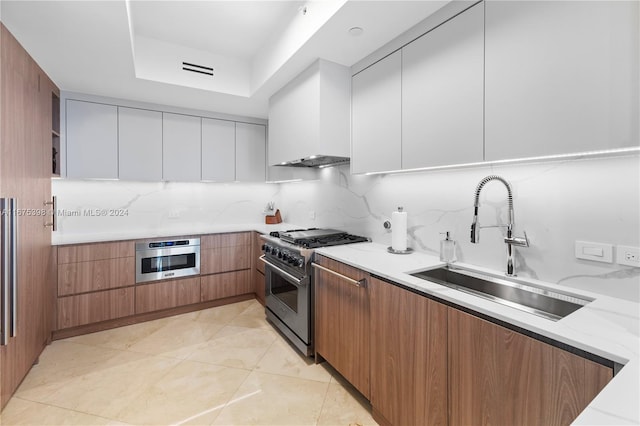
[[599, 252], [627, 255]]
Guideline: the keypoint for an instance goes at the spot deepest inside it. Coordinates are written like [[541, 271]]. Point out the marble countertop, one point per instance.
[[607, 327], [59, 238]]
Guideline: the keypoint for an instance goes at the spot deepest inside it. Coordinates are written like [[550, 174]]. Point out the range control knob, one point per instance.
[[263, 247], [300, 262], [275, 251], [279, 254], [285, 257], [291, 259]]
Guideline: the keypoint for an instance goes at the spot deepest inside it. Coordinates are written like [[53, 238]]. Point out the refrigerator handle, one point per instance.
[[14, 267], [5, 308]]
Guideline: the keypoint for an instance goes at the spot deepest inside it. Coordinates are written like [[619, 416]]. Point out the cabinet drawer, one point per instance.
[[167, 294], [225, 259], [225, 240], [99, 251], [83, 277], [226, 285], [95, 307]]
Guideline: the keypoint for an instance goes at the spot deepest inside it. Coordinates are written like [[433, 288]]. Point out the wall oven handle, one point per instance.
[[357, 283], [298, 281]]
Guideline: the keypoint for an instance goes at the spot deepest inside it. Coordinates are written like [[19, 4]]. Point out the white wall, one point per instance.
[[555, 202]]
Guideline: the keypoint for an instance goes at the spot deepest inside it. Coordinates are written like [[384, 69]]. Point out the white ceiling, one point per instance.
[[100, 48], [229, 28]]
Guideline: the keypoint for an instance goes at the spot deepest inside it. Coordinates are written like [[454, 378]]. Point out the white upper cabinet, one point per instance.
[[181, 156], [250, 152], [218, 150], [442, 93], [139, 144], [376, 116], [561, 77], [91, 140], [310, 115]]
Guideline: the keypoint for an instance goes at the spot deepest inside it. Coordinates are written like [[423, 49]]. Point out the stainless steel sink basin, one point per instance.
[[546, 303]]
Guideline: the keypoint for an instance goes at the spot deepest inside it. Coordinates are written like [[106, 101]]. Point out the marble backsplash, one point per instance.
[[140, 209], [556, 203]]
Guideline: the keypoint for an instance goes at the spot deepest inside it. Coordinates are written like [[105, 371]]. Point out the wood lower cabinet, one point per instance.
[[342, 320], [227, 284], [83, 277], [225, 252], [408, 357], [89, 308], [167, 294], [503, 377], [95, 283]]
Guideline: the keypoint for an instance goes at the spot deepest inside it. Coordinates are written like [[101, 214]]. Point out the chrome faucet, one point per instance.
[[510, 240]]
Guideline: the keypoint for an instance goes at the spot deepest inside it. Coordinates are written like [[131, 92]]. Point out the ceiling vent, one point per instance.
[[201, 69]]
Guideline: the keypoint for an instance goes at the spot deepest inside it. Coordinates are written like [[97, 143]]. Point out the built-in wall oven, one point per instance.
[[166, 259]]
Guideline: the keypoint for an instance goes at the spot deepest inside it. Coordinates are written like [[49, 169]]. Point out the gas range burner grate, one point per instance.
[[330, 240], [277, 234]]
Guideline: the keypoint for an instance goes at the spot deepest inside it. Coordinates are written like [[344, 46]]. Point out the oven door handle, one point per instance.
[[297, 281]]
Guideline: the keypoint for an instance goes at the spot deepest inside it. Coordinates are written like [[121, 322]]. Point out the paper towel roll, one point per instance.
[[399, 230]]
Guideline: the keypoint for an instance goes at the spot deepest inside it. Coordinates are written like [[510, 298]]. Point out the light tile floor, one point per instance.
[[220, 366]]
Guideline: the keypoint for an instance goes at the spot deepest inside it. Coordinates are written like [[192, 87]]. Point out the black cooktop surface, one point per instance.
[[315, 238]]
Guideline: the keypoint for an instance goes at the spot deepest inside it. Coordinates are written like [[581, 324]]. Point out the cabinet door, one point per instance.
[[92, 140], [508, 378], [139, 144], [342, 321], [181, 157], [225, 252], [442, 94], [408, 357], [218, 150], [228, 284], [167, 294], [250, 152], [561, 77], [375, 113], [95, 307]]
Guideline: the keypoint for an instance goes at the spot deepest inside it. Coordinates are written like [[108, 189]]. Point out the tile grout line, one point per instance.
[[67, 409]]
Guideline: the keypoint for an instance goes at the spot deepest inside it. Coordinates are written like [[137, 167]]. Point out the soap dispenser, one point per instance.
[[447, 249]]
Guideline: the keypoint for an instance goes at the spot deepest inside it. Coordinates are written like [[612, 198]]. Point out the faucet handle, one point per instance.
[[518, 241]]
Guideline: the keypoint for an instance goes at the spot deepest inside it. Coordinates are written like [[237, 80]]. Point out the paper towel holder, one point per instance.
[[407, 251]]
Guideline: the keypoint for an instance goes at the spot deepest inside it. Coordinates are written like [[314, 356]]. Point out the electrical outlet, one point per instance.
[[627, 255], [312, 215], [174, 214]]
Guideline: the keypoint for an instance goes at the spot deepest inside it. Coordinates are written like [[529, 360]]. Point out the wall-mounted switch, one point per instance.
[[626, 255], [599, 252]]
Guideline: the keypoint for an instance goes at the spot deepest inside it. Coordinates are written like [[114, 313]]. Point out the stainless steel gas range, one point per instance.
[[289, 279]]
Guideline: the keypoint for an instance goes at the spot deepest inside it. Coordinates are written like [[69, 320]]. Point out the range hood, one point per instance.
[[309, 118], [317, 161]]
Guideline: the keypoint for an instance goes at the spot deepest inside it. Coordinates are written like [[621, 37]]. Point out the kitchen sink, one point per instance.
[[553, 305]]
